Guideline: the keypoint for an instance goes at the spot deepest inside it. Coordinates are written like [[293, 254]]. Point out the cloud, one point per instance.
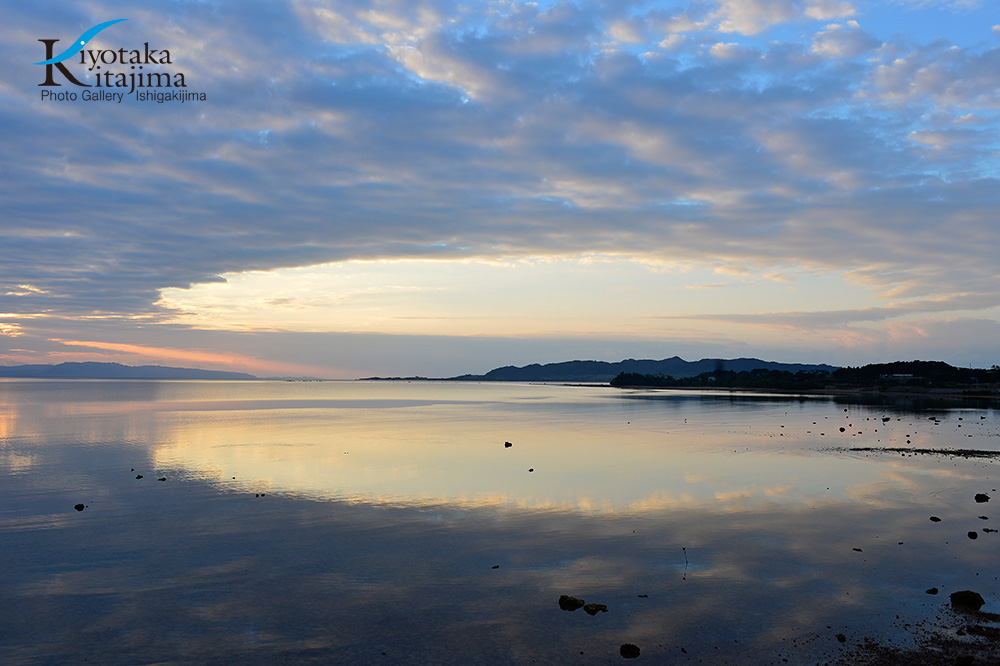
[[750, 17], [938, 75], [843, 41], [199, 358], [361, 130], [812, 320]]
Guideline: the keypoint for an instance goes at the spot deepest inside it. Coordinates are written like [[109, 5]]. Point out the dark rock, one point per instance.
[[973, 535], [857, 550], [842, 429], [629, 651], [987, 530], [992, 633], [932, 590], [967, 600], [594, 609], [495, 566], [532, 469], [982, 497], [162, 478], [507, 445], [568, 603], [79, 507], [644, 596], [935, 519], [138, 476], [842, 638]]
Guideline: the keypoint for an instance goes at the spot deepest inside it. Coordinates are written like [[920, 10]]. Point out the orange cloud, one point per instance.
[[198, 356]]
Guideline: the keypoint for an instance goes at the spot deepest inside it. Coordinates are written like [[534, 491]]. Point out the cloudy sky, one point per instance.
[[435, 187]]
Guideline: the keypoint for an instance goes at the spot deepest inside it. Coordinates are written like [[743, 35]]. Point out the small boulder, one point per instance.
[[568, 603], [507, 445], [594, 609], [79, 507], [931, 590], [629, 651], [935, 519], [982, 498], [973, 535], [967, 600]]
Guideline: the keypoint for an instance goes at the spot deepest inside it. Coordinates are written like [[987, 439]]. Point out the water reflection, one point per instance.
[[389, 523]]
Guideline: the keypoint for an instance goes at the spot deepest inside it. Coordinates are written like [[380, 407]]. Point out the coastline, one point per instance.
[[859, 392]]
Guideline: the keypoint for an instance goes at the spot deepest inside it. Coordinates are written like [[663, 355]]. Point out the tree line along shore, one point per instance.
[[899, 376]]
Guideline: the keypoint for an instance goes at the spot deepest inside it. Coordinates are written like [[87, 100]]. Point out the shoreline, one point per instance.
[[860, 392]]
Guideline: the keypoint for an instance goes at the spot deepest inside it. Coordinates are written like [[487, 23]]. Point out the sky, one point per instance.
[[411, 187]]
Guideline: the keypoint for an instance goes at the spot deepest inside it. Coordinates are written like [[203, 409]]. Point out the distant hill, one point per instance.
[[92, 370], [603, 371]]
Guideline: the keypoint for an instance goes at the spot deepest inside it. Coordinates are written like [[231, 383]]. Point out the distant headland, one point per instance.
[[604, 371], [751, 374]]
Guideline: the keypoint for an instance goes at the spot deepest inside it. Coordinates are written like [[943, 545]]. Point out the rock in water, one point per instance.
[[594, 609], [967, 600], [568, 603], [629, 651], [507, 445], [982, 497], [79, 507]]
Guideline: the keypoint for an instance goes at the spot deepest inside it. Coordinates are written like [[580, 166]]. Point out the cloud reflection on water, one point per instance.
[[725, 523]]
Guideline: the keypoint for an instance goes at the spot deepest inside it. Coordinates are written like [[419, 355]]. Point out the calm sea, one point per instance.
[[439, 523]]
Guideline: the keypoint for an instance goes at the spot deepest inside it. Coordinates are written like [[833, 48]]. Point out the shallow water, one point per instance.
[[387, 522]]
